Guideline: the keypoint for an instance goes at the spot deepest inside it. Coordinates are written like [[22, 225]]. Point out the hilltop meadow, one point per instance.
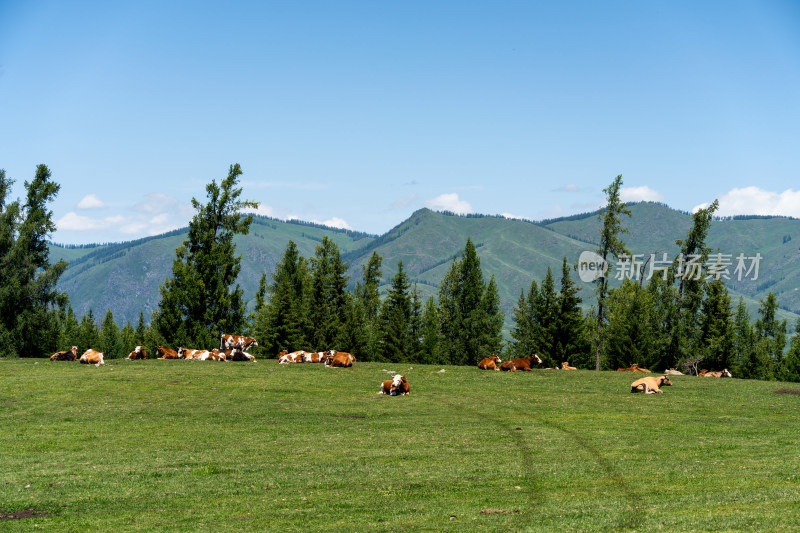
[[204, 446]]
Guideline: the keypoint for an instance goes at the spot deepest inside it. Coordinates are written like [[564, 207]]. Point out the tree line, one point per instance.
[[305, 304]]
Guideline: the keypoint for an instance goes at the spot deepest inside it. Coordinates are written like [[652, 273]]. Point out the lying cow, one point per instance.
[[69, 355], [315, 357], [138, 353], [490, 363], [672, 372], [92, 357], [633, 368], [397, 386], [237, 354], [651, 384], [565, 366], [520, 365], [228, 342], [295, 357], [167, 353], [339, 359], [717, 374]]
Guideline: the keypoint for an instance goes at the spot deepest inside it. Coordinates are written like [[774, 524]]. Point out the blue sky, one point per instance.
[[356, 114]]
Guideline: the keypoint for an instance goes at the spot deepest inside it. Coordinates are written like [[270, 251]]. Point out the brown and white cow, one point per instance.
[[167, 353], [295, 357], [651, 384], [520, 365], [490, 363], [138, 353], [717, 374], [339, 359], [228, 342], [198, 355], [315, 357], [92, 357], [68, 355], [565, 366], [397, 386], [237, 354]]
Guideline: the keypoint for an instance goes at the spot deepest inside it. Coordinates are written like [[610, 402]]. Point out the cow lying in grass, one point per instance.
[[339, 359], [138, 353], [397, 386], [92, 357], [68, 355], [565, 366], [285, 357], [716, 374], [651, 384], [167, 353], [490, 363], [521, 365], [633, 368]]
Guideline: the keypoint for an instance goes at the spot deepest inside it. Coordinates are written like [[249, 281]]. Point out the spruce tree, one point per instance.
[[716, 339], [109, 341], [743, 338], [770, 338], [429, 330], [326, 301], [545, 309], [198, 303], [790, 370], [28, 295], [395, 316], [368, 298], [569, 336], [610, 245]]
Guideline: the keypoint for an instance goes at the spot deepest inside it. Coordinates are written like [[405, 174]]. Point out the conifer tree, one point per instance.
[[790, 370], [743, 338], [198, 303], [770, 339], [88, 335], [716, 338], [569, 342], [429, 346], [109, 341], [628, 338], [368, 298], [127, 339], [327, 299], [396, 319], [610, 245], [545, 310], [28, 295]]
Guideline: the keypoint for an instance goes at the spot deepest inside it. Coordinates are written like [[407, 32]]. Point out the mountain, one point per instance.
[[125, 277]]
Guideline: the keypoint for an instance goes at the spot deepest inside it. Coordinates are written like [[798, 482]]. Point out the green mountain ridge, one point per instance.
[[124, 277]]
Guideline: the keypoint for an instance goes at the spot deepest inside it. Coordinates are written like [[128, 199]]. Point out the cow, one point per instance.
[[228, 342], [339, 359], [718, 374], [520, 365], [237, 354], [167, 353], [397, 386], [565, 366], [633, 368], [672, 372], [490, 363], [650, 384], [138, 353], [68, 355], [295, 357], [315, 357], [200, 355], [92, 357]]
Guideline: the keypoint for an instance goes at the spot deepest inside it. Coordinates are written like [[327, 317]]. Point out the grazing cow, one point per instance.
[[92, 357], [565, 366], [397, 386], [672, 372], [167, 353], [717, 374], [228, 342], [69, 355], [339, 359], [520, 365], [633, 368], [315, 357], [490, 363], [294, 357], [138, 353], [651, 384]]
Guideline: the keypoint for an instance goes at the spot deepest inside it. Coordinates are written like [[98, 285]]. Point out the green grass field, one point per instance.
[[204, 446]]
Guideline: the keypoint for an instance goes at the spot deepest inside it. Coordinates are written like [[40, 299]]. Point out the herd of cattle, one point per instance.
[[232, 348], [647, 385]]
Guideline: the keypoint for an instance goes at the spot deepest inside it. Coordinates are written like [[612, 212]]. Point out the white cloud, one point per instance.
[[74, 222], [450, 202], [336, 222], [91, 201], [640, 194], [263, 210], [757, 201], [569, 187]]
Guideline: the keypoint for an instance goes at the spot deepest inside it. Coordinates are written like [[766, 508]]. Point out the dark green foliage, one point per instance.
[[110, 342], [628, 338], [569, 338], [280, 320], [197, 302], [327, 298], [367, 296], [790, 370], [88, 335], [716, 342], [429, 350], [397, 344], [468, 331], [28, 294], [610, 245], [743, 337]]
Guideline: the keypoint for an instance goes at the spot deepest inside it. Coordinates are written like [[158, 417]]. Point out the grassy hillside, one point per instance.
[[187, 445], [125, 277]]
